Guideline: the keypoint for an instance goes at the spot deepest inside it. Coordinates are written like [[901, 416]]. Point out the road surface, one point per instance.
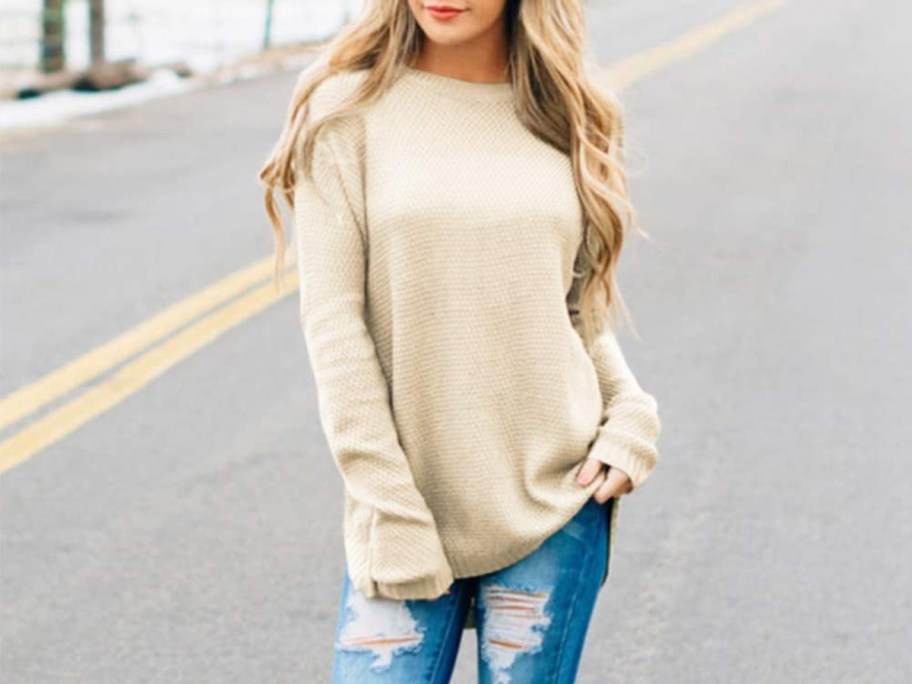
[[185, 527]]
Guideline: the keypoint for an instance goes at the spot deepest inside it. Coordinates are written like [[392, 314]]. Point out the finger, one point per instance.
[[615, 483], [629, 483], [590, 468]]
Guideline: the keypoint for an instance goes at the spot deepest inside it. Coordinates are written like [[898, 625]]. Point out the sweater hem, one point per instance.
[[425, 588], [611, 509], [481, 566]]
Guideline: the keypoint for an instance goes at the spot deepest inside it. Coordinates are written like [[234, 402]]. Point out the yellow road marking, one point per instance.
[[140, 372], [55, 384], [636, 67]]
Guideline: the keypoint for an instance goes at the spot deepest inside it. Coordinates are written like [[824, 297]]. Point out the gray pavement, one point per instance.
[[191, 533]]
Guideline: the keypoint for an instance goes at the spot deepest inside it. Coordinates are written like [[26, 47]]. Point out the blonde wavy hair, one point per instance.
[[553, 98]]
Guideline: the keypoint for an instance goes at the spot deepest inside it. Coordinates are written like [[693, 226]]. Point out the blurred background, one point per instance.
[[169, 511], [56, 34], [64, 47]]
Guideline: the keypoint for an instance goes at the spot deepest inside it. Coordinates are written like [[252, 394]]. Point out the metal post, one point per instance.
[[97, 31], [267, 32], [53, 33]]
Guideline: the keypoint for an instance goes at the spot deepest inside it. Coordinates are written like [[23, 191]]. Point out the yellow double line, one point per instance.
[[245, 293], [173, 334]]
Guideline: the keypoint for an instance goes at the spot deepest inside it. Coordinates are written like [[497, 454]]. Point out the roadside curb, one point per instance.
[[22, 118]]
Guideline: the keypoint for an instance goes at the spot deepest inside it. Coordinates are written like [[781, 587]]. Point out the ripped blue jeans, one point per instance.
[[531, 617]]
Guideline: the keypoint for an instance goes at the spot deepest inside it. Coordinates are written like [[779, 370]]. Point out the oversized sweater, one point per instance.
[[435, 251]]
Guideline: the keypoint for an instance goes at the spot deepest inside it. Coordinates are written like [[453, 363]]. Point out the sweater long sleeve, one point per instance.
[[630, 424], [404, 555]]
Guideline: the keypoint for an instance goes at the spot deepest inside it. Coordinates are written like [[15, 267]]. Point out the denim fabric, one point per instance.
[[531, 617]]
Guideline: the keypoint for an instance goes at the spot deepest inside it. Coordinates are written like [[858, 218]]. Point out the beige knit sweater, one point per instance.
[[435, 254]]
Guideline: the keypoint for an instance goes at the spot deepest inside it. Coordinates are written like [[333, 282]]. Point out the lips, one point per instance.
[[443, 11]]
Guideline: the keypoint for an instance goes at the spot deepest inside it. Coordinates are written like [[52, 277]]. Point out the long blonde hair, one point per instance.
[[553, 98]]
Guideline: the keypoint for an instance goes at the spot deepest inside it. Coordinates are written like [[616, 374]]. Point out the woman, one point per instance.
[[460, 204]]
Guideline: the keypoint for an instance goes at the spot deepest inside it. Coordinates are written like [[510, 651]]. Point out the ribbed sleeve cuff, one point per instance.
[[636, 460], [407, 558]]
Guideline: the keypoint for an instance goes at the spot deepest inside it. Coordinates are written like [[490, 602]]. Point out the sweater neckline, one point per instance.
[[494, 91]]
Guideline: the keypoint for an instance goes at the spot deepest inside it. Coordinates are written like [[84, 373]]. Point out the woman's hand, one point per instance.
[[616, 482]]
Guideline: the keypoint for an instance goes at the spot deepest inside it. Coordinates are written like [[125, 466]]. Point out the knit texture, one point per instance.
[[435, 251]]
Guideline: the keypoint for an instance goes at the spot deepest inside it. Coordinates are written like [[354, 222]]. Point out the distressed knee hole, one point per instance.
[[380, 627], [515, 622]]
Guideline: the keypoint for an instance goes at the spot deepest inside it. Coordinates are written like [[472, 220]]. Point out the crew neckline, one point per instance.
[[456, 87]]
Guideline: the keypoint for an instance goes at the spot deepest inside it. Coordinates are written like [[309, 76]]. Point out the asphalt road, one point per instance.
[[190, 532]]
